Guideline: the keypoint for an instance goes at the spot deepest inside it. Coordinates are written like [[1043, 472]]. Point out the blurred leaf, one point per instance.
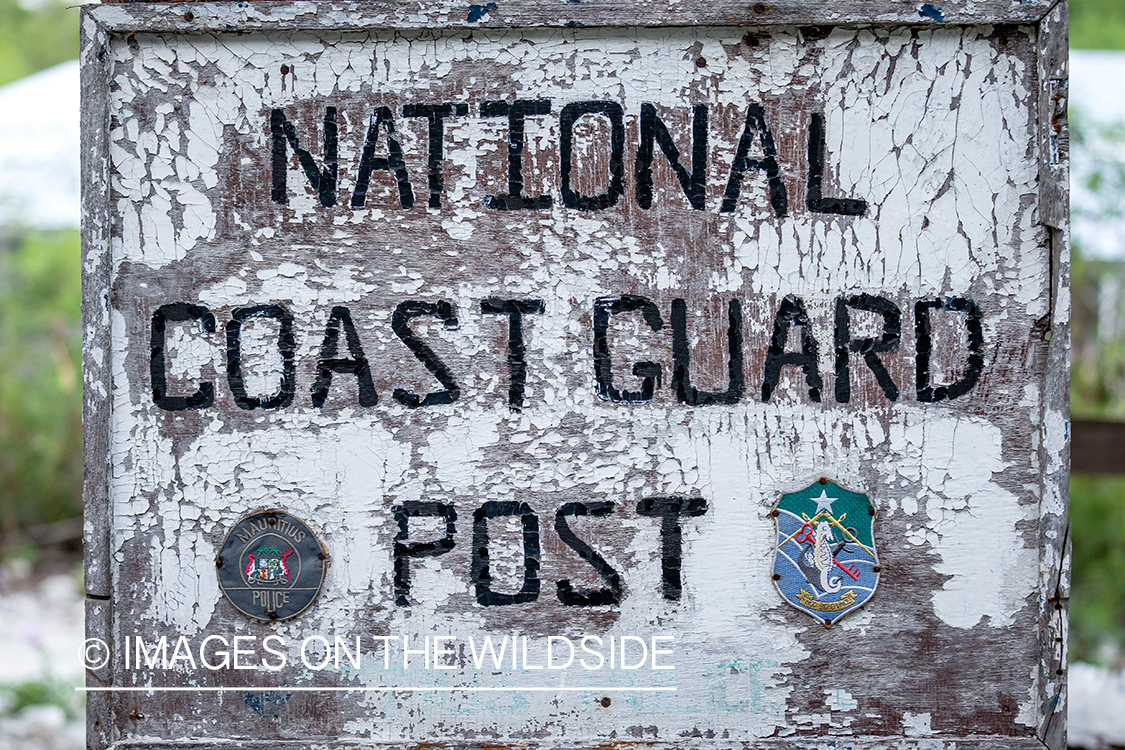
[[40, 401], [1097, 24], [36, 36]]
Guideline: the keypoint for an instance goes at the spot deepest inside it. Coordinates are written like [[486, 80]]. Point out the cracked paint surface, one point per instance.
[[934, 128]]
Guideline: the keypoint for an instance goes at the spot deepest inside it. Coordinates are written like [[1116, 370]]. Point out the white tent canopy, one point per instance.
[[39, 174]]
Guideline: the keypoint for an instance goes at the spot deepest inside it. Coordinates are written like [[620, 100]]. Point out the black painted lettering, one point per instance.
[[482, 576], [570, 114], [404, 551], [669, 510], [322, 181], [400, 324], [756, 123], [435, 115], [681, 354], [515, 309], [791, 313], [177, 312], [516, 112], [393, 162], [868, 347], [649, 372], [330, 362], [926, 391], [569, 595], [286, 344], [653, 129], [815, 200]]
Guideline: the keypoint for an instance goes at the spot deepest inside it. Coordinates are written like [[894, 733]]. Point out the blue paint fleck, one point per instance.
[[476, 12], [259, 703], [574, 1], [574, 24], [929, 11]]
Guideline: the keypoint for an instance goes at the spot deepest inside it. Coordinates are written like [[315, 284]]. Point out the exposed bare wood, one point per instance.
[[194, 17]]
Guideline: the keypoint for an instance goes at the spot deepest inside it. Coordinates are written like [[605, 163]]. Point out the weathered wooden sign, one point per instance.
[[574, 374]]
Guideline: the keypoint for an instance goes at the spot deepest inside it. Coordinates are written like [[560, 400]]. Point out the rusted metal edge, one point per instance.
[[850, 743], [1053, 334], [314, 15], [96, 367]]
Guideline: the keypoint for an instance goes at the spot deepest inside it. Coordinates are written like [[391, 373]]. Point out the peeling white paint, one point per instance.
[[930, 126]]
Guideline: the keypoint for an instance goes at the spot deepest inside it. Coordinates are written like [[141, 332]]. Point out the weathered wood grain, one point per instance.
[[1055, 452], [195, 17], [873, 743], [96, 377]]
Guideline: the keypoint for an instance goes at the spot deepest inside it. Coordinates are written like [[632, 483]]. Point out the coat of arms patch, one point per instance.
[[825, 562], [271, 566]]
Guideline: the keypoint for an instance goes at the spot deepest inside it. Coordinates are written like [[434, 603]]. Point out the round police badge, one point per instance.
[[271, 566]]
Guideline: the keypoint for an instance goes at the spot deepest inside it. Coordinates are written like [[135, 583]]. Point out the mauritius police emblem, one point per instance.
[[271, 566], [825, 563]]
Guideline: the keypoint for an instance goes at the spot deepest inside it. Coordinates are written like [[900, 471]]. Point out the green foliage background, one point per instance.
[[40, 382], [1097, 503], [1097, 24], [40, 332], [35, 37]]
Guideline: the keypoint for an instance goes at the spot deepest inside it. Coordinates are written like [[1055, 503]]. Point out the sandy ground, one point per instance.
[[41, 634]]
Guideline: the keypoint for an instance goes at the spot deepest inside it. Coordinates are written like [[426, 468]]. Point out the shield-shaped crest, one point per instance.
[[825, 563], [267, 566]]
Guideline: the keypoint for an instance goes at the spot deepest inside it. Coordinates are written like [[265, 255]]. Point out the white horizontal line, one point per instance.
[[281, 688]]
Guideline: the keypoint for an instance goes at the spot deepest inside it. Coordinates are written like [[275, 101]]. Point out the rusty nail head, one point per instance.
[[284, 69], [776, 577], [701, 62], [823, 480], [605, 702], [775, 513], [828, 623], [189, 16], [759, 8], [877, 568], [219, 561]]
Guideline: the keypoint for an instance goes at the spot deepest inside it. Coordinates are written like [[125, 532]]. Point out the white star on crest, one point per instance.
[[824, 502]]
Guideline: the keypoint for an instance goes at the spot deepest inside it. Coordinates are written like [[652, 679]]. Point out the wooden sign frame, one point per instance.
[[121, 714]]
